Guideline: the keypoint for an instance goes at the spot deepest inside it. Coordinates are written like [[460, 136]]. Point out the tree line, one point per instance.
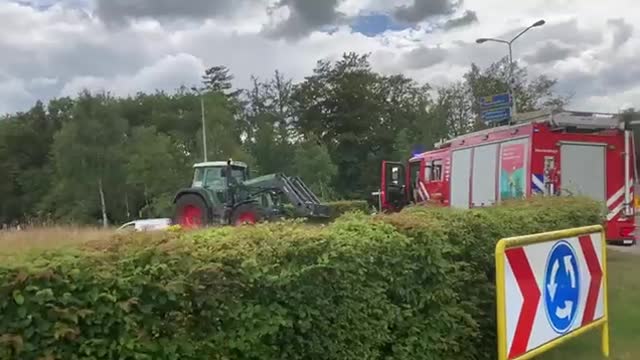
[[98, 158]]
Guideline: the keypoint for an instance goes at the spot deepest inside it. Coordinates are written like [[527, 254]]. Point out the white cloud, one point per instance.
[[168, 74], [58, 50], [14, 94]]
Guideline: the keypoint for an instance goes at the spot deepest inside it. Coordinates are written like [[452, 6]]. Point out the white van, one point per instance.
[[146, 225]]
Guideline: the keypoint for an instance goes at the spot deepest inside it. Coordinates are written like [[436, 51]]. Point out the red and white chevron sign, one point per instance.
[[549, 289]]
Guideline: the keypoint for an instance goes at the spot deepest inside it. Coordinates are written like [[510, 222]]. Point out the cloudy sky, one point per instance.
[[52, 48]]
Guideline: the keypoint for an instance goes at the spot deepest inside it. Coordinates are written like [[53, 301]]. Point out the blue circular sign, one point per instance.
[[561, 287]]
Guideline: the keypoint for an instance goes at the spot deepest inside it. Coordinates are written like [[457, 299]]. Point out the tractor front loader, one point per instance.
[[222, 194]]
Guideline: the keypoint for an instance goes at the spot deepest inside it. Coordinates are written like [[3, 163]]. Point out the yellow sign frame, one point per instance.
[[519, 241]]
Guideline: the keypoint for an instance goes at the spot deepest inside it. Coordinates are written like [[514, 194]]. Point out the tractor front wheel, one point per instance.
[[247, 214], [191, 212]]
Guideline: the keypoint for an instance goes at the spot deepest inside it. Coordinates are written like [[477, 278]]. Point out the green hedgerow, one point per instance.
[[418, 284]]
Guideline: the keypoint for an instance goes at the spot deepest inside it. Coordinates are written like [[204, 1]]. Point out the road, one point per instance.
[[635, 249]]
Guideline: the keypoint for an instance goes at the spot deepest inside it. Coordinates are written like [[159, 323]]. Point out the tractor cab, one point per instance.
[[213, 175], [220, 177]]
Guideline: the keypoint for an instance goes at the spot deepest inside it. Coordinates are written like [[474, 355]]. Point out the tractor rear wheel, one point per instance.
[[247, 214], [191, 212]]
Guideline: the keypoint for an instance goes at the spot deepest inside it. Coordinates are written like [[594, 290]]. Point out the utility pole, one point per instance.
[[514, 109], [204, 129]]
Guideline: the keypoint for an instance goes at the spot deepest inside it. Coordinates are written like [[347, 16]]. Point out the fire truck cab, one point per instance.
[[543, 153]]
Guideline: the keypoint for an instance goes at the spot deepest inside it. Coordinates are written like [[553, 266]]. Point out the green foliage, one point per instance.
[[339, 208], [223, 132], [25, 140], [336, 209], [356, 113], [95, 157], [473, 234], [267, 122], [161, 206], [313, 164], [88, 156], [531, 94], [413, 285], [154, 163]]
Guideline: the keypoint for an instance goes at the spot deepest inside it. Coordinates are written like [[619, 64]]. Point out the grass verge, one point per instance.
[[46, 238], [624, 316]]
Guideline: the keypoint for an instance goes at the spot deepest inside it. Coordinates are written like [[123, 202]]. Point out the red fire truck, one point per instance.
[[560, 153]]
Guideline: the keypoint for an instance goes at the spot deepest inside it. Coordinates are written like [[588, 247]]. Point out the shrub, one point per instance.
[[339, 208], [336, 209], [472, 236], [412, 285]]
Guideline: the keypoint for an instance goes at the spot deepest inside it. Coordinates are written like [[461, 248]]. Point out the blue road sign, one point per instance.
[[561, 287], [496, 114], [499, 100]]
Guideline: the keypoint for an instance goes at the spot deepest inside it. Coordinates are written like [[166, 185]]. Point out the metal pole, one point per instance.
[[204, 129], [514, 110]]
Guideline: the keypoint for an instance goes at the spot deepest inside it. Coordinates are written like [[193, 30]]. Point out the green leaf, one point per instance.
[[17, 297]]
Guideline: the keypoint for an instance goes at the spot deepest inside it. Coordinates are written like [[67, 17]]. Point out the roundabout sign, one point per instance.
[[550, 287], [562, 287]]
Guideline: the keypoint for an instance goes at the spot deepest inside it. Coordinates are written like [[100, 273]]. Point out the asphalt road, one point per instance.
[[635, 249]]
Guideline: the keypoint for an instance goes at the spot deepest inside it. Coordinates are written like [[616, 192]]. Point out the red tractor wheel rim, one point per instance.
[[190, 217], [246, 218]]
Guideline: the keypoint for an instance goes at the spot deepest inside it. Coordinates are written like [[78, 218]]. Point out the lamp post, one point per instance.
[[204, 128], [509, 43]]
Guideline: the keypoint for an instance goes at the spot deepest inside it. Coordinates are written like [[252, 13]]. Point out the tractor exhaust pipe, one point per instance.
[[227, 182]]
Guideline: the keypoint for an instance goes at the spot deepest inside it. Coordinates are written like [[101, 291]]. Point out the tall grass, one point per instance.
[[50, 237]]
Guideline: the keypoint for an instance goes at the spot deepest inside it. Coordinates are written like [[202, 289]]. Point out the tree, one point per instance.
[[268, 121], [403, 145], [313, 164], [96, 156], [218, 79], [155, 167], [88, 157], [530, 95], [356, 113], [25, 141], [223, 131], [454, 105]]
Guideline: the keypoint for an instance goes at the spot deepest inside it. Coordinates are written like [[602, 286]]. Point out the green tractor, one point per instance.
[[222, 193]]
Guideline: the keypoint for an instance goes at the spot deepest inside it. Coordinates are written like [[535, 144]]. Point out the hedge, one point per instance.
[[413, 285], [336, 209], [472, 236], [339, 208]]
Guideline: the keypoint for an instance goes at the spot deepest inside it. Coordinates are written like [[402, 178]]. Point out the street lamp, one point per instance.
[[483, 40]]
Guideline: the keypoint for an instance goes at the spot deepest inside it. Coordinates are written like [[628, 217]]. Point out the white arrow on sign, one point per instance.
[[569, 268], [552, 286], [565, 312]]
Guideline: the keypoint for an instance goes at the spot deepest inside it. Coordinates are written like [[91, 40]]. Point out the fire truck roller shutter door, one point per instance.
[[460, 178], [484, 175], [582, 170]]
